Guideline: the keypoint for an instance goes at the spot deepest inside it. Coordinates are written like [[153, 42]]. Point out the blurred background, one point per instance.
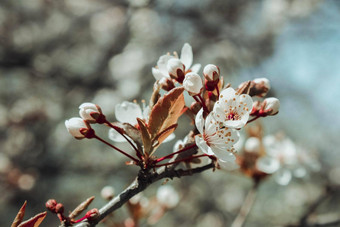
[[55, 55]]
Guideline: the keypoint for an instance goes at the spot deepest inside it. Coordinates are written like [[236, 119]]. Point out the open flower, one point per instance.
[[161, 70], [214, 140], [233, 109]]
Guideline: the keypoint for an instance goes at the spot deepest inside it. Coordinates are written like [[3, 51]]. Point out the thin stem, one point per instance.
[[127, 139], [197, 100], [182, 160], [177, 152], [116, 148], [203, 103], [246, 207], [255, 118]]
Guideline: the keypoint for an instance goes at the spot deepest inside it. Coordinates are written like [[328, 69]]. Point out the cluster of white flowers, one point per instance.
[[218, 132]]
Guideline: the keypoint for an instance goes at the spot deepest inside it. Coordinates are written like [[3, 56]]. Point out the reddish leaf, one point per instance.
[[81, 207], [166, 111], [145, 136], [35, 221], [20, 216], [163, 135]]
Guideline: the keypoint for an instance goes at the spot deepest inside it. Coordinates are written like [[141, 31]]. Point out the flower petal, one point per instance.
[[128, 112], [162, 64], [195, 68], [223, 154], [186, 55], [202, 145], [157, 74], [115, 136], [169, 138], [267, 164], [199, 121]]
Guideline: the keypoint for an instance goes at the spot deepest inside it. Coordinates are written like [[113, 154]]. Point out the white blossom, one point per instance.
[[272, 104], [211, 72], [161, 70], [233, 109], [214, 140], [74, 125], [176, 68], [193, 83], [86, 109]]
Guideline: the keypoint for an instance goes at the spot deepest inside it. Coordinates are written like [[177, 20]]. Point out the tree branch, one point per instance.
[[143, 180]]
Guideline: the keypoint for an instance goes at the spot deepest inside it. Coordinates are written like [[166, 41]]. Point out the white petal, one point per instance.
[[157, 74], [199, 121], [228, 165], [193, 83], [283, 176], [115, 136], [247, 102], [186, 55], [74, 125], [128, 112], [201, 144], [267, 164], [162, 63], [223, 154], [195, 68], [228, 93]]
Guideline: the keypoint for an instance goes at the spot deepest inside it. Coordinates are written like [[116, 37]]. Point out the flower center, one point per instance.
[[232, 116]]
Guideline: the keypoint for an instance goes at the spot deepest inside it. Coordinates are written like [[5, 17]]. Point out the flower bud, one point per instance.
[[211, 72], [193, 83], [176, 69], [272, 106], [51, 205], [90, 112], [59, 208], [107, 192], [78, 128], [259, 87]]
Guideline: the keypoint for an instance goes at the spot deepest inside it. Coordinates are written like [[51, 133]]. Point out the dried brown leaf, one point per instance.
[[20, 216], [166, 111], [81, 207], [35, 221], [145, 136]]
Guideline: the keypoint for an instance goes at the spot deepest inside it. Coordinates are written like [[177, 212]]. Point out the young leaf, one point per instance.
[[81, 207], [131, 132], [145, 136], [164, 134], [20, 216], [166, 111], [35, 221]]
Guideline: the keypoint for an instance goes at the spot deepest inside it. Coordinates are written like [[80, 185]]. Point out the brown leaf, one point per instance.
[[164, 134], [166, 111], [81, 207], [35, 221], [145, 136], [20, 216]]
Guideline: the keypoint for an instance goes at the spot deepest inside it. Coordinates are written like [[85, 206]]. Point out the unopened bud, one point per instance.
[[176, 69], [272, 106], [51, 205], [92, 214], [211, 72], [166, 84], [91, 112], [59, 208], [259, 87], [107, 192], [78, 128], [193, 83]]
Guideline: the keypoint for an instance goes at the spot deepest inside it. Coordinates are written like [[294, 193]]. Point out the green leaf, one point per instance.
[[145, 136], [20, 216], [166, 112]]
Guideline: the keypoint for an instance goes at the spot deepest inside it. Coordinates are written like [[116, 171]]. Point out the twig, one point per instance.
[[143, 180], [246, 207]]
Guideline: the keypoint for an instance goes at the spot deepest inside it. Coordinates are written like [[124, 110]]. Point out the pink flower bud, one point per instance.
[[193, 83], [78, 128], [211, 72], [90, 112], [272, 106], [92, 214], [176, 69], [51, 205]]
